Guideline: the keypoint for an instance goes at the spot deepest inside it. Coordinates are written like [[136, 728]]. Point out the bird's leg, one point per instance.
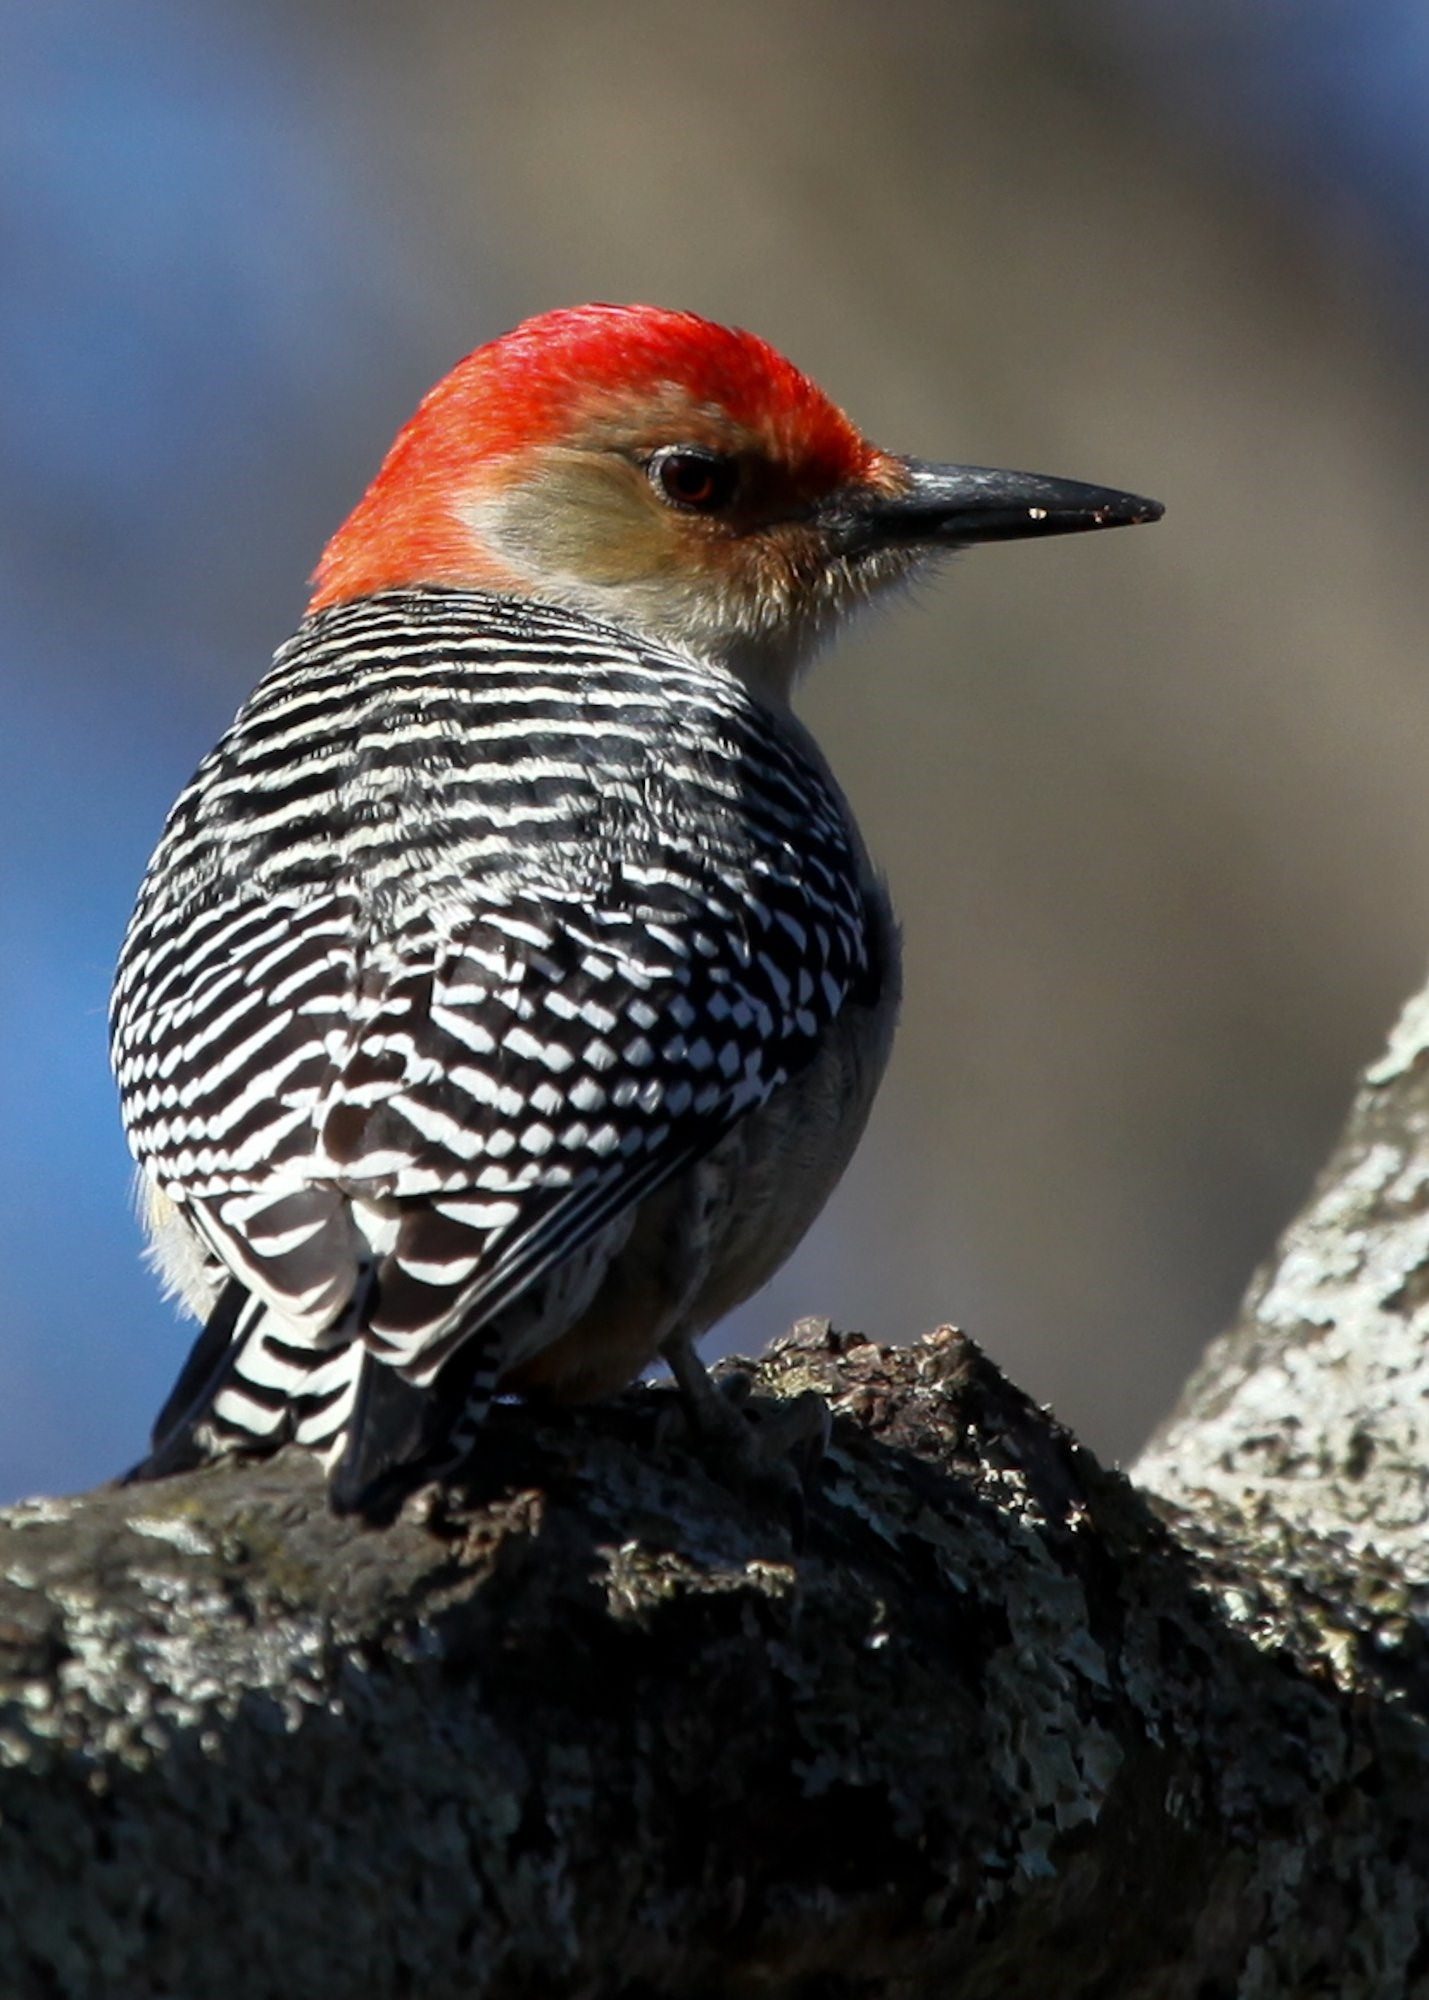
[[766, 1453]]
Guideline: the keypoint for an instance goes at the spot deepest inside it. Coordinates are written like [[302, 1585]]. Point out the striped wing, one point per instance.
[[479, 924]]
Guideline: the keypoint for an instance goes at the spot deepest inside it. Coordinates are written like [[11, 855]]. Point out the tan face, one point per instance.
[[692, 532]]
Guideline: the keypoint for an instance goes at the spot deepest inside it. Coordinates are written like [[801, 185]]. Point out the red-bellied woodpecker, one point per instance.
[[510, 986]]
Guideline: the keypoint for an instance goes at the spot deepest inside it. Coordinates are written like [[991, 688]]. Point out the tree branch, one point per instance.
[[1003, 1725], [1316, 1404]]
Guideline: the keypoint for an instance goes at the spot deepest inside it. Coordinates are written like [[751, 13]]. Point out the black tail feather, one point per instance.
[[398, 1435], [387, 1431], [173, 1447]]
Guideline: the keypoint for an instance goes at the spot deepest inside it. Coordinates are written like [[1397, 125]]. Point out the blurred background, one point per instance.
[[1153, 804]]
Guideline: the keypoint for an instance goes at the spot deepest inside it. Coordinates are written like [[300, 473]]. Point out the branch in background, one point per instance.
[[1314, 1408]]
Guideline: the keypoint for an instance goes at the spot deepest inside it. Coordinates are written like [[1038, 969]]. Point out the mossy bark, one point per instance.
[[1002, 1724]]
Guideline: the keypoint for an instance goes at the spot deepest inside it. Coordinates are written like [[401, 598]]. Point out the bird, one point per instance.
[[510, 986]]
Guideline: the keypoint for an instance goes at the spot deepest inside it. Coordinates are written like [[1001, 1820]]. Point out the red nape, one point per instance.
[[534, 386]]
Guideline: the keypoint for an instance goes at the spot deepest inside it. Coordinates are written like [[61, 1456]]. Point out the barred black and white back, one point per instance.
[[482, 922]]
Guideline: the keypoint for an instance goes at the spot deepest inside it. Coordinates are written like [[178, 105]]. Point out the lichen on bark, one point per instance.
[[1004, 1722]]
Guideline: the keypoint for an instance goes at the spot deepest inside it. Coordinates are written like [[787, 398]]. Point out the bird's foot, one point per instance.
[[766, 1449]]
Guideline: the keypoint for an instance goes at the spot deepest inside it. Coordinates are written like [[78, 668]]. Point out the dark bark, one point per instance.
[[1003, 1725]]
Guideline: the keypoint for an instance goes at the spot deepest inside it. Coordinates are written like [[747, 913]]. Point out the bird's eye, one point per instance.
[[700, 480]]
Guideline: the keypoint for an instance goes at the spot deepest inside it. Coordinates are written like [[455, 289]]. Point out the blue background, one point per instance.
[[1154, 810]]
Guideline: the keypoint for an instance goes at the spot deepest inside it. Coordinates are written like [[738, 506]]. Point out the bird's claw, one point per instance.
[[765, 1449]]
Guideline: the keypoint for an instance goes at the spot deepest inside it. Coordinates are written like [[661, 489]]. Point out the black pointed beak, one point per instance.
[[950, 506]]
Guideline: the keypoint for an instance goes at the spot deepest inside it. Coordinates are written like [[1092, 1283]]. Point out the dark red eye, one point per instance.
[[688, 477]]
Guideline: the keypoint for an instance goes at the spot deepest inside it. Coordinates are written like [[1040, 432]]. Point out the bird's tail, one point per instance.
[[254, 1382], [398, 1434]]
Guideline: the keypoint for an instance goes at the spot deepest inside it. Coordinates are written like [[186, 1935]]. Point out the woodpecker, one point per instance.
[[511, 984]]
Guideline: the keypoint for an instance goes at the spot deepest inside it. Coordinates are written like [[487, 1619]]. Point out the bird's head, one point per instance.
[[675, 478]]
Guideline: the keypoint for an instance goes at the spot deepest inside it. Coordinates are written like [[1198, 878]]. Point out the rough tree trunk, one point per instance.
[[1006, 1724]]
